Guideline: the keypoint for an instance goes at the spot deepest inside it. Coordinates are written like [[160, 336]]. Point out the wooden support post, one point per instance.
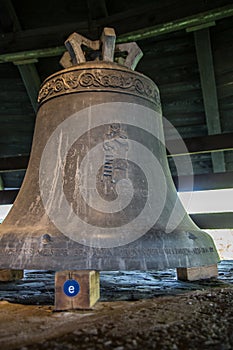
[[10, 275], [209, 91], [197, 273], [76, 289], [31, 80], [1, 184]]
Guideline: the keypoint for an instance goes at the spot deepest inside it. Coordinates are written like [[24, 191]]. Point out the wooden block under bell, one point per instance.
[[7, 275], [197, 273], [76, 289]]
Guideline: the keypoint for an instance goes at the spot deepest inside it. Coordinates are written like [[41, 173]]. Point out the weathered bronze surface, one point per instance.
[[32, 236]]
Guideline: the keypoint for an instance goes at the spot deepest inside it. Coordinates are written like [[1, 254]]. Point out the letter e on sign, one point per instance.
[[71, 288]]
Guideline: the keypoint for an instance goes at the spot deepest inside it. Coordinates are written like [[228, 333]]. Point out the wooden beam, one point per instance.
[[8, 196], [31, 81], [96, 9], [27, 71], [11, 14], [213, 220], [195, 145], [204, 221], [32, 54], [7, 275], [180, 24], [209, 91], [14, 163], [44, 37], [203, 182], [202, 144], [56, 32], [5, 21], [197, 273], [1, 184]]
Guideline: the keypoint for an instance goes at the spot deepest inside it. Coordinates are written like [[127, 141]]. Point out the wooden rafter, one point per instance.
[[63, 30], [14, 163], [27, 69], [202, 144], [180, 24], [8, 196]]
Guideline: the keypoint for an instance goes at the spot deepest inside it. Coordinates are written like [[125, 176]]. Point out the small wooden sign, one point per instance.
[[76, 289], [197, 273], [8, 275]]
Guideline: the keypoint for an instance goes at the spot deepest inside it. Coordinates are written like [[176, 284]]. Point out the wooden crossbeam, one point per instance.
[[204, 221], [213, 220], [209, 91], [27, 69], [202, 144], [203, 182], [145, 33], [14, 163], [180, 24], [200, 183], [195, 145], [8, 196], [1, 184], [32, 54], [96, 9]]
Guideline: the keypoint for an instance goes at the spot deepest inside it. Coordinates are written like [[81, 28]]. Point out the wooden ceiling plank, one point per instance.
[[97, 9], [169, 27], [14, 163], [27, 71], [204, 182], [202, 144], [11, 13], [8, 196], [209, 91], [145, 33], [5, 22], [213, 220]]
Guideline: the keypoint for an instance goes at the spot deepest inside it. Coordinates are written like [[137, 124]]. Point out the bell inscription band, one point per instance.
[[98, 192]]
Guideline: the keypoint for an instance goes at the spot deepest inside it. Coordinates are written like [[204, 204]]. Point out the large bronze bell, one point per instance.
[[98, 193]]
